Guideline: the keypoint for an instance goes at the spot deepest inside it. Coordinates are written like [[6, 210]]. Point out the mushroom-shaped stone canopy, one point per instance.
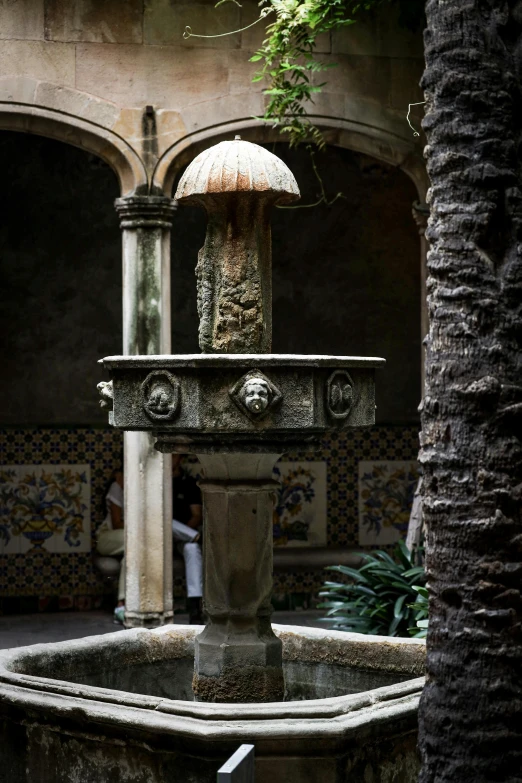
[[237, 166]]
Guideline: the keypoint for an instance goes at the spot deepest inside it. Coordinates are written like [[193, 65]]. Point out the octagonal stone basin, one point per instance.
[[118, 708]]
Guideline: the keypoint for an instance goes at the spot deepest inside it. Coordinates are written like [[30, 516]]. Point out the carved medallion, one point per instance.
[[339, 394], [161, 395], [255, 395]]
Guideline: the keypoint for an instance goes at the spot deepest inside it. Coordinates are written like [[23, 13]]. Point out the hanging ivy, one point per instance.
[[288, 55]]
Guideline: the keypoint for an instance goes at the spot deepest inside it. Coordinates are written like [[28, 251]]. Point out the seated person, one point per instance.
[[187, 513], [186, 524]]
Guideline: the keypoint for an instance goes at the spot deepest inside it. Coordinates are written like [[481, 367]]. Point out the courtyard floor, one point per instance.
[[25, 629]]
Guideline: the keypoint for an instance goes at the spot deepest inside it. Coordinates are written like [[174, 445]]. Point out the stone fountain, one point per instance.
[[318, 705], [238, 408]]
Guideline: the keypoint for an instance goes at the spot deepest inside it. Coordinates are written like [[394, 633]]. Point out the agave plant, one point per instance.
[[386, 595]]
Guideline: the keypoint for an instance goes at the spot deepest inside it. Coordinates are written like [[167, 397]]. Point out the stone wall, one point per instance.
[[89, 70]]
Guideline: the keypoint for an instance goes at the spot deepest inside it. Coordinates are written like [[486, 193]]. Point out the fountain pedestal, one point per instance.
[[238, 657]]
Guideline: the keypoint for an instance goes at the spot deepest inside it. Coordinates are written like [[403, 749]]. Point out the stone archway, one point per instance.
[[67, 115], [378, 142]]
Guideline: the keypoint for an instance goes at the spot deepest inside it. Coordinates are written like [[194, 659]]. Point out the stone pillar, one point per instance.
[[238, 657], [145, 222]]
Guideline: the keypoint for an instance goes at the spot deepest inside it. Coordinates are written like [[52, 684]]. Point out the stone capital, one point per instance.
[[421, 213], [145, 211]]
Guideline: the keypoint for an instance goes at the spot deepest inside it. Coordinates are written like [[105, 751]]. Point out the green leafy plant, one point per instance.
[[289, 59], [421, 613], [386, 595]]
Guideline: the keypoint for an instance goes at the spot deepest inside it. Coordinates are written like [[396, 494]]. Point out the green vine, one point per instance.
[[288, 55]]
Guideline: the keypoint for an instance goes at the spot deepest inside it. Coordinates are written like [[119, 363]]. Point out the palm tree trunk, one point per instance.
[[471, 449]]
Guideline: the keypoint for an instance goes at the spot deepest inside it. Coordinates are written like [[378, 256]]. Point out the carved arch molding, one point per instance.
[[76, 118], [29, 106], [371, 140]]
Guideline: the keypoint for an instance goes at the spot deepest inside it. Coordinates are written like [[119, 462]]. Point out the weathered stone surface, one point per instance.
[[238, 423], [82, 105], [209, 418], [238, 658], [119, 706], [165, 22], [240, 74], [169, 128], [164, 76], [18, 88], [234, 273], [357, 75], [401, 91], [228, 107], [84, 20], [52, 62], [379, 34], [237, 183], [22, 19]]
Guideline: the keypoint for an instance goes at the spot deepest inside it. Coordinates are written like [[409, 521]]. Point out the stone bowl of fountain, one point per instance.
[[171, 704]]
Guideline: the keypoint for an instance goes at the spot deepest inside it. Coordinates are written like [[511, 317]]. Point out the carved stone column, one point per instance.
[[238, 656], [145, 222]]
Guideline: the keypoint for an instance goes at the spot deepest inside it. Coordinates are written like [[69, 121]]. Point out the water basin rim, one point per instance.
[[274, 360], [310, 731], [189, 632], [317, 709]]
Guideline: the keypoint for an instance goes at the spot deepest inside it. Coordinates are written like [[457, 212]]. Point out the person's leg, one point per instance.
[[111, 543], [121, 584], [183, 532], [193, 570], [194, 577]]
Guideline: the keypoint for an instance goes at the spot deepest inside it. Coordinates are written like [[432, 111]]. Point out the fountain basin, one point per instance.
[[193, 402], [119, 708]]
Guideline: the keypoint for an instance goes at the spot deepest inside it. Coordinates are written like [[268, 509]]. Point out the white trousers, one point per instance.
[[191, 552], [110, 544]]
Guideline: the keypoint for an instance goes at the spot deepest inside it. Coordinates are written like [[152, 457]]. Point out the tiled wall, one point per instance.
[[68, 580]]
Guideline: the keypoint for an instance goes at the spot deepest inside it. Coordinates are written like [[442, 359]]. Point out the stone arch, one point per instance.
[[76, 118], [378, 142]]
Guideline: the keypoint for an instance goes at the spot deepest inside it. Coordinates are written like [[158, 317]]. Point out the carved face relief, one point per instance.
[[106, 394], [160, 394], [255, 395]]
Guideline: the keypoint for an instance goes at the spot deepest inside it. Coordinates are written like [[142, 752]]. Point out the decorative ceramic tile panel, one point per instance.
[[69, 575], [45, 507], [300, 507], [40, 573], [385, 497]]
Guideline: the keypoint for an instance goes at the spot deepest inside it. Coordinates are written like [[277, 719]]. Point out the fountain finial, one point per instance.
[[238, 183]]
